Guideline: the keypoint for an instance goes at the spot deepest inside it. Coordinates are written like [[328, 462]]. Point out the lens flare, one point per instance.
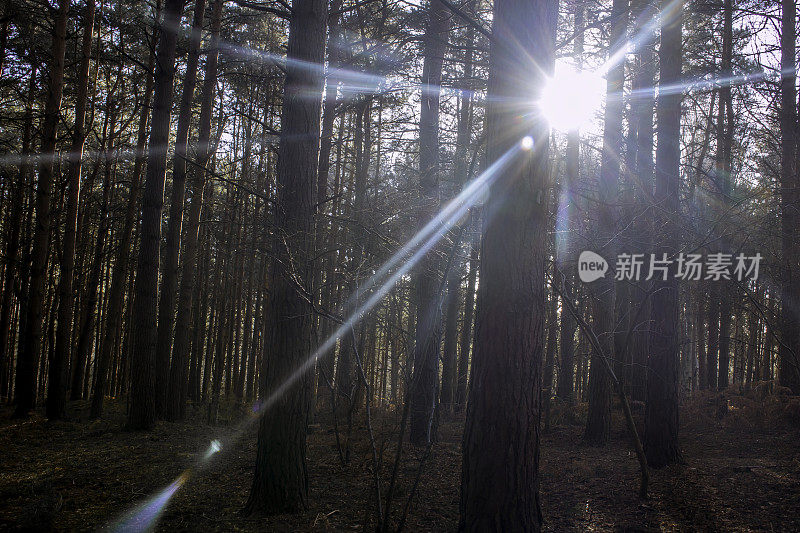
[[571, 98], [145, 516], [213, 448], [526, 143]]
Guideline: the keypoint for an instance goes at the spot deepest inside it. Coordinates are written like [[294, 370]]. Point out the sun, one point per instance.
[[570, 98]]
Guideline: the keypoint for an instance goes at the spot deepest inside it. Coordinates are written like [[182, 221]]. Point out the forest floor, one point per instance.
[[741, 472]]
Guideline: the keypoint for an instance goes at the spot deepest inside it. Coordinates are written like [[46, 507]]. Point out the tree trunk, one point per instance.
[[426, 349], [713, 336], [280, 482], [725, 123], [500, 473], [450, 333], [700, 340], [89, 312], [13, 243], [116, 298], [789, 351], [642, 106], [169, 281], [200, 320], [661, 413], [469, 310], [178, 390], [142, 407], [550, 353], [461, 175], [565, 240], [59, 376], [31, 338], [598, 421], [346, 386]]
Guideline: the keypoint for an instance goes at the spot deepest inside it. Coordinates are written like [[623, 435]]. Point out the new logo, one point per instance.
[[591, 266]]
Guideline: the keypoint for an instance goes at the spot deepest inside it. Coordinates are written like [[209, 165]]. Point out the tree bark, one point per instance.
[[713, 336], [348, 387], [89, 311], [500, 472], [169, 278], [549, 359], [461, 175], [725, 121], [789, 351], [661, 413], [116, 298], [450, 333], [14, 269], [424, 382], [178, 390], [59, 375], [280, 482], [565, 240], [642, 106], [32, 334], [465, 344], [142, 407], [598, 421], [700, 340]]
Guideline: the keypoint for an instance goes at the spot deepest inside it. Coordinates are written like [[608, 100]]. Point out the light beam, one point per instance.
[[144, 516]]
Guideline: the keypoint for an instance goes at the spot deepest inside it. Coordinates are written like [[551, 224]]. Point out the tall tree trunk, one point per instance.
[[644, 12], [200, 319], [663, 387], [426, 349], [724, 147], [7, 16], [565, 388], [142, 407], [451, 307], [700, 340], [248, 275], [169, 281], [461, 175], [565, 240], [550, 353], [59, 376], [31, 338], [116, 297], [24, 276], [713, 336], [178, 390], [225, 309], [753, 342], [280, 482], [89, 310], [598, 421], [329, 108], [232, 363], [346, 386], [500, 473], [13, 244], [250, 390], [323, 238], [789, 350], [465, 344]]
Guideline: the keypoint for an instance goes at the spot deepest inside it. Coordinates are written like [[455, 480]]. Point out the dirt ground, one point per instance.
[[741, 472]]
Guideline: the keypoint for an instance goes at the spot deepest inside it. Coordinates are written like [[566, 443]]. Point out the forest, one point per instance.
[[399, 265]]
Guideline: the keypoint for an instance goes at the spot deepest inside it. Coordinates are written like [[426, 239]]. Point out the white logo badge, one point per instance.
[[591, 266]]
